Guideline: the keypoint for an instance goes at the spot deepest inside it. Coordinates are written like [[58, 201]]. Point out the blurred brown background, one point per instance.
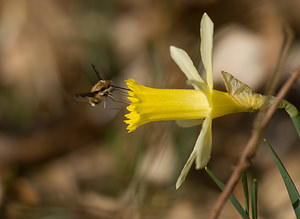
[[61, 158]]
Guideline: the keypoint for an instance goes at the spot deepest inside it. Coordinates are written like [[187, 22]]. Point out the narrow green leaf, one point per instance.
[[289, 184], [246, 192], [233, 200], [254, 199]]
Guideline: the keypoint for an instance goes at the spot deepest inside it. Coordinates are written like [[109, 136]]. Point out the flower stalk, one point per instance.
[[293, 113]]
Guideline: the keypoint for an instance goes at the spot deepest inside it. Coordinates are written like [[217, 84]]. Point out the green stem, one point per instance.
[[293, 113], [296, 121]]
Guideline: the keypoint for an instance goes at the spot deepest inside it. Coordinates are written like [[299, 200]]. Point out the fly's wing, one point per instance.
[[84, 96], [88, 94]]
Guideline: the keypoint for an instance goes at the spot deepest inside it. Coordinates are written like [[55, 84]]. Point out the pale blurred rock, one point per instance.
[[128, 36], [240, 52]]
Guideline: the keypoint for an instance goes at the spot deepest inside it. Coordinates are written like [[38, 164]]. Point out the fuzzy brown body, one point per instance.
[[101, 91]]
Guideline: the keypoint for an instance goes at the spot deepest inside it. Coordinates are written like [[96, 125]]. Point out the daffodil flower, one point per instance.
[[191, 107]]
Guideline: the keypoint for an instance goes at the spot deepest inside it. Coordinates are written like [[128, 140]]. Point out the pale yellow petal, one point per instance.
[[203, 144], [206, 47], [186, 169], [186, 65], [201, 151]]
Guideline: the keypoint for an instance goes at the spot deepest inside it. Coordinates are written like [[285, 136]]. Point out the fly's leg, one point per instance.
[[117, 100]]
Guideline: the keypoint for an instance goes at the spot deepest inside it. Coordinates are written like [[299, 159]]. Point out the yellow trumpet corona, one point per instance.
[[151, 104]]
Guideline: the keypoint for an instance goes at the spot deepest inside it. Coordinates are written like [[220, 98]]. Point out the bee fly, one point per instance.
[[102, 90]]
